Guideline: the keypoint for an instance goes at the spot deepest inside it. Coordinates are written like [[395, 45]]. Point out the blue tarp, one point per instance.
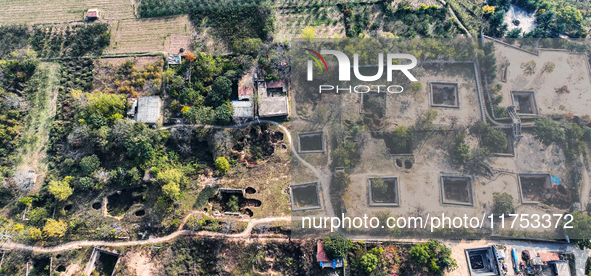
[[556, 180], [515, 260]]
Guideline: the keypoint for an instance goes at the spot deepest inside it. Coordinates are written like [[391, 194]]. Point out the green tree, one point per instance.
[[400, 139], [55, 228], [90, 164], [340, 182], [586, 133], [581, 230], [368, 263], [232, 204], [345, 155], [169, 176], [515, 33], [140, 149], [86, 183], [222, 165], [201, 114], [434, 255], [223, 114], [61, 190], [548, 131], [172, 190], [220, 91], [569, 16], [495, 140], [247, 46], [110, 106], [37, 216], [27, 201], [336, 246], [503, 203], [376, 105], [190, 97]]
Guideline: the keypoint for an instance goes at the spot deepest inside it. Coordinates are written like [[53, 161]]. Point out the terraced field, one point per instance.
[[147, 35], [57, 11]]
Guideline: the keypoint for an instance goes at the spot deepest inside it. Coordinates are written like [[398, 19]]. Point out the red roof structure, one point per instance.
[[276, 84], [321, 255], [245, 91], [92, 13], [546, 257]]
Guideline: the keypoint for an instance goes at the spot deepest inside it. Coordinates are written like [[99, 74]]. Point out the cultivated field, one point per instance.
[[327, 23], [40, 11], [147, 35]]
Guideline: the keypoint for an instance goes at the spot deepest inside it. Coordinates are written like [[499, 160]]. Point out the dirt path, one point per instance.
[[178, 233], [33, 140]]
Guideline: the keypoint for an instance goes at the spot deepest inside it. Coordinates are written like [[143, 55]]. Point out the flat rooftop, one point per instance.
[[148, 110]]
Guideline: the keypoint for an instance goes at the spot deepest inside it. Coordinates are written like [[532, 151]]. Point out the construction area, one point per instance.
[[423, 172]]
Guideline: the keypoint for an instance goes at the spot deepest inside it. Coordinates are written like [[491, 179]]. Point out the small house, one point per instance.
[[272, 99], [148, 109], [244, 106], [323, 259], [92, 14]]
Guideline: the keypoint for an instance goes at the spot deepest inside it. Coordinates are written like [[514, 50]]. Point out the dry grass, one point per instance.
[[147, 35], [39, 11]]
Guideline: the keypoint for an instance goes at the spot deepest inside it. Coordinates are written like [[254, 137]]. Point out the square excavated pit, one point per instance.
[[534, 187], [444, 95], [509, 151], [482, 261], [310, 142], [383, 192], [305, 196], [524, 102], [456, 190]]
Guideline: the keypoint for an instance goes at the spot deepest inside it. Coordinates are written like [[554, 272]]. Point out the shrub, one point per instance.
[[86, 183], [461, 151], [400, 139], [503, 204], [433, 254], [336, 246], [222, 165]]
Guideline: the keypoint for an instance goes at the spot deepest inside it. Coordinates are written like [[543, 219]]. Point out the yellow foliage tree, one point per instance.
[[488, 9], [308, 32], [55, 228], [61, 190]]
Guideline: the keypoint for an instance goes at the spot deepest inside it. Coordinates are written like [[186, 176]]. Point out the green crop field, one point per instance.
[[56, 11]]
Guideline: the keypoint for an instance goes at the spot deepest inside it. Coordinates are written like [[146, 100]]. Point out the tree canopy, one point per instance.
[[548, 131], [220, 91], [61, 190]]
